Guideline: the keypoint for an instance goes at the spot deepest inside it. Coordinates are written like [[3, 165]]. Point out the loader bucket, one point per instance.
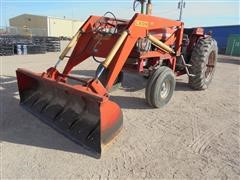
[[84, 117]]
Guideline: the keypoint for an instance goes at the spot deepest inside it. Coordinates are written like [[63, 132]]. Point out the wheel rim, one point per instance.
[[165, 89], [210, 66]]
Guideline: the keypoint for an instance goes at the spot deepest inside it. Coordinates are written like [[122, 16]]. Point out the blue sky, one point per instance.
[[196, 13]]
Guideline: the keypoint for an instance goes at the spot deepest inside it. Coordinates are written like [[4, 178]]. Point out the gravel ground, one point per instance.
[[196, 136]]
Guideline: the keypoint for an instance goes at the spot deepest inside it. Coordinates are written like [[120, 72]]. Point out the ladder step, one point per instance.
[[191, 75], [188, 65]]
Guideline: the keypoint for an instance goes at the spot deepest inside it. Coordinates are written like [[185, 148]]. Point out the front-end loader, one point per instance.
[[160, 49]]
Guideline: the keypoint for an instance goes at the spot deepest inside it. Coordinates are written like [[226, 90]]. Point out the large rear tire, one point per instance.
[[203, 61], [160, 87]]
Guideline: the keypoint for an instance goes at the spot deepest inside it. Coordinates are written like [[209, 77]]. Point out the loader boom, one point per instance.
[[141, 26]]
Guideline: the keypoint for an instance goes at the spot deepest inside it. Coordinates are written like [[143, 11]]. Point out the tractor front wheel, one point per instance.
[[160, 87], [203, 61]]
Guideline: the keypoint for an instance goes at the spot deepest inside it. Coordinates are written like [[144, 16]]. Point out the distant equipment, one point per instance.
[[10, 45], [233, 45]]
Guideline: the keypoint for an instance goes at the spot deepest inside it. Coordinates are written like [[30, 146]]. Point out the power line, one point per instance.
[[181, 6]]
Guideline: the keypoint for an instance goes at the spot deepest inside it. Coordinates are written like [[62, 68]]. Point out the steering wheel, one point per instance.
[[105, 24]]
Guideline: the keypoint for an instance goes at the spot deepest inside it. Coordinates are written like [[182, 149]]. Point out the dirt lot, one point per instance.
[[195, 136]]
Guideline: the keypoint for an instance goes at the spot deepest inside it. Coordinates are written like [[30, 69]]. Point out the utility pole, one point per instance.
[[181, 6]]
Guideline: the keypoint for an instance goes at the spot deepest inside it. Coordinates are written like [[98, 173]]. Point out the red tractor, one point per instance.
[[155, 47]]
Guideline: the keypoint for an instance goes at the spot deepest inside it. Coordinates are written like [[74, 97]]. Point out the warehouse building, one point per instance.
[[227, 38], [34, 25]]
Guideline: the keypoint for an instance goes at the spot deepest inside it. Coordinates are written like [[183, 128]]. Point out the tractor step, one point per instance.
[[191, 75], [186, 66], [182, 65]]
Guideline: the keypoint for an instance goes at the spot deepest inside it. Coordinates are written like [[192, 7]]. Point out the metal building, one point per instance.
[[222, 33], [28, 24]]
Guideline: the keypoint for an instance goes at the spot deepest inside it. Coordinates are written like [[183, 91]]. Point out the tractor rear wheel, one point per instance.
[[160, 87], [203, 61]]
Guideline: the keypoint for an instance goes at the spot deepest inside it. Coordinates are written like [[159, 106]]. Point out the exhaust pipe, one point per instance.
[[149, 8]]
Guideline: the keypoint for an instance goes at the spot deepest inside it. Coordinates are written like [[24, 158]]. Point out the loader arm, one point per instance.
[[139, 27]]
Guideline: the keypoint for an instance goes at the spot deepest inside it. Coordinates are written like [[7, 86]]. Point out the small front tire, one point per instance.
[[160, 87]]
